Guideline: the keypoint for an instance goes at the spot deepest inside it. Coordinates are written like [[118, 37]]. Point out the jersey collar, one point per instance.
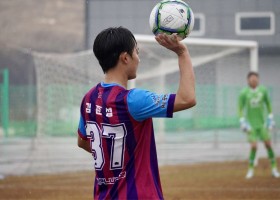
[[254, 90], [110, 84]]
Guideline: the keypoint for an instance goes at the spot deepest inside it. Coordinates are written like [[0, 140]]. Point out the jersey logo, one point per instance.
[[156, 100], [98, 110], [99, 95], [167, 20], [111, 180], [88, 107], [160, 100], [164, 101], [255, 102], [109, 112]]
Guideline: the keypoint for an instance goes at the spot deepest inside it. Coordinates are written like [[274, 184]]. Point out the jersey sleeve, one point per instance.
[[143, 104], [82, 128], [82, 124], [267, 101], [241, 103]]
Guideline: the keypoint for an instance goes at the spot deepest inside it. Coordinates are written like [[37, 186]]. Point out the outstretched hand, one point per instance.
[[171, 42]]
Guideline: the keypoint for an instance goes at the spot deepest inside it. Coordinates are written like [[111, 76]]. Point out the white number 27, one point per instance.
[[117, 133]]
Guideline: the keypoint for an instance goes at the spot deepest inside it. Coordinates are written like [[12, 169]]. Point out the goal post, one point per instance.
[[252, 45], [4, 100]]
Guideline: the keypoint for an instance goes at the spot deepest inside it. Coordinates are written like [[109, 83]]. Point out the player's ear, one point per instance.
[[124, 58]]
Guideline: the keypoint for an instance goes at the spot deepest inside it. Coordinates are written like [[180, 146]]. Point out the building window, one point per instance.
[[199, 25], [255, 23]]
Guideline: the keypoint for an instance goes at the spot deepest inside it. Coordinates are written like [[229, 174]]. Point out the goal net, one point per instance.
[[220, 67]]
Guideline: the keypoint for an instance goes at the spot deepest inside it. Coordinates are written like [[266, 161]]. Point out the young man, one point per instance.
[[116, 124], [253, 120]]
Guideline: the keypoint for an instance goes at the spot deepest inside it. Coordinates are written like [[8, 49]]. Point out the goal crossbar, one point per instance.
[[252, 45]]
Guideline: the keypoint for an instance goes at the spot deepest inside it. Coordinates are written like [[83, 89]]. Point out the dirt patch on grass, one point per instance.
[[199, 181]]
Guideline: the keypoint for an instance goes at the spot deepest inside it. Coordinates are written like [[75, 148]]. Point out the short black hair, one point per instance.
[[252, 73], [110, 43]]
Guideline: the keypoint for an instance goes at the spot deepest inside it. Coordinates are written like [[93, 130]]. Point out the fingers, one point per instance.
[[167, 40], [161, 39], [158, 39], [174, 38]]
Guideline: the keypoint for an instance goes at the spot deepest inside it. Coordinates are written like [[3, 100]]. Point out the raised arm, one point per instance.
[[185, 96]]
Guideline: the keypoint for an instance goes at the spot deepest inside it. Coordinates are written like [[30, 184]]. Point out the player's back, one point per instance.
[[123, 149]]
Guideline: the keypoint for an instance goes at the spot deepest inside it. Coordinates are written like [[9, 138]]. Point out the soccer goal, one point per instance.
[[220, 68], [63, 79]]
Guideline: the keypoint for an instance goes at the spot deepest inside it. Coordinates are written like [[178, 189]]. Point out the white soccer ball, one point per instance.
[[172, 16]]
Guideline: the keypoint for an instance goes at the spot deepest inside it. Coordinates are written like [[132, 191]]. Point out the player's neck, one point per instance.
[[254, 88], [116, 77]]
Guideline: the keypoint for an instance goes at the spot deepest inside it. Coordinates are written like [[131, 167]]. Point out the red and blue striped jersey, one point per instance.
[[118, 124]]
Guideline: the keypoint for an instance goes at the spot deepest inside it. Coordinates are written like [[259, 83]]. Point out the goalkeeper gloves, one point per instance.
[[244, 125], [270, 123]]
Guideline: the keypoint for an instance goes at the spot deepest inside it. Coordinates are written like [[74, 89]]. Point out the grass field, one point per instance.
[[199, 181]]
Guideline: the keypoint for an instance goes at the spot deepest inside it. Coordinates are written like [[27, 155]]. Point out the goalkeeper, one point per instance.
[[256, 119]]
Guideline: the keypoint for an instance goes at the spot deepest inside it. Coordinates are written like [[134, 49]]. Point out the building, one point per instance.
[[224, 19]]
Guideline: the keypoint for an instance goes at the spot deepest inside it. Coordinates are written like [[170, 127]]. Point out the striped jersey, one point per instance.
[[118, 124]]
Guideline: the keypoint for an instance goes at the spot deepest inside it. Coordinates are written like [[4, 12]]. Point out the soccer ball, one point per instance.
[[172, 16]]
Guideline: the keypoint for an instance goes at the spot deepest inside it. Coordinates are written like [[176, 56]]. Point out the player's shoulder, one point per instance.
[[137, 94], [91, 90], [138, 91], [262, 88], [244, 90], [140, 98]]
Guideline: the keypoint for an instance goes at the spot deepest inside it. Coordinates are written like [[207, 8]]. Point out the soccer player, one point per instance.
[[116, 124], [256, 119]]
